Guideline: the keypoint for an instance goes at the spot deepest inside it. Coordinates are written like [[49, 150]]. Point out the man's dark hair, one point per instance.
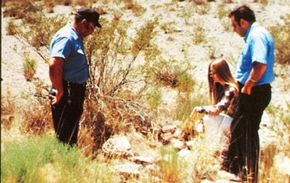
[[243, 12], [90, 14]]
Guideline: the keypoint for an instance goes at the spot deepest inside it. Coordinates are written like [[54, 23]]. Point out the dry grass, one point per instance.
[[37, 119], [8, 109]]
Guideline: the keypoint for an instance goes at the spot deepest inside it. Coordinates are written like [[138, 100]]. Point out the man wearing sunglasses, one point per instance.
[[69, 71]]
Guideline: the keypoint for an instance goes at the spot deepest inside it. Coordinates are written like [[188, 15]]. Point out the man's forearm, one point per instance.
[[257, 72], [55, 73]]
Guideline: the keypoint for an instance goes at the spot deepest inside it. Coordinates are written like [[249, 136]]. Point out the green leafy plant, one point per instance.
[[29, 68]]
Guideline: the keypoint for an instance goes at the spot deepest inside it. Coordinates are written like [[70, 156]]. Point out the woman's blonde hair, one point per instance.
[[222, 70]]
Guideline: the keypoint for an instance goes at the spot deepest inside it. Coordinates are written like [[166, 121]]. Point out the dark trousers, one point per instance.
[[244, 148], [67, 112]]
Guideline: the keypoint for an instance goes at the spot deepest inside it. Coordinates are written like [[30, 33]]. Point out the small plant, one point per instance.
[[281, 37], [198, 35], [154, 98], [203, 7], [222, 12], [171, 167], [8, 108], [29, 67], [263, 2], [11, 28], [135, 7]]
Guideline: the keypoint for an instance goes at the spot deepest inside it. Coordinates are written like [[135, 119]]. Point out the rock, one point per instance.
[[117, 145], [142, 159], [166, 137], [169, 128], [177, 133], [177, 144], [282, 163], [128, 169], [190, 144], [184, 153]]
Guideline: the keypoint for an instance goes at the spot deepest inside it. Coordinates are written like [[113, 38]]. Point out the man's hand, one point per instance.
[[255, 75], [55, 95], [247, 89]]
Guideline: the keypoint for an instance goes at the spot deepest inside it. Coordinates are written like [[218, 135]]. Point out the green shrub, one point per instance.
[[21, 160], [29, 68], [40, 158]]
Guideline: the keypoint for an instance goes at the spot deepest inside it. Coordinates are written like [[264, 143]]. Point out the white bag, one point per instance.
[[216, 127]]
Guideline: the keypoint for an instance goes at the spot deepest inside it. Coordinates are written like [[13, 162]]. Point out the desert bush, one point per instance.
[[27, 8], [29, 67], [281, 37], [42, 31], [8, 108], [112, 69], [169, 74]]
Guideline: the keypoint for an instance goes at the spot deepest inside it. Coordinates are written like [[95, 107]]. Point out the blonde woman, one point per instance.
[[223, 90], [223, 93]]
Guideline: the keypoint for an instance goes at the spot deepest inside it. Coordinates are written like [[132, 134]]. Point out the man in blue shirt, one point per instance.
[[254, 75], [69, 71]]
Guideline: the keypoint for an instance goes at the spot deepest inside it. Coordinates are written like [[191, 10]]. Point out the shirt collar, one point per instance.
[[75, 34], [253, 25]]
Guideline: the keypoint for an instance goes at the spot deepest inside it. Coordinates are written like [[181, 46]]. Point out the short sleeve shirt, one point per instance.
[[68, 45], [259, 47]]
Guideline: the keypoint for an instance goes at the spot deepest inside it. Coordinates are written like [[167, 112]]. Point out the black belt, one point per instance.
[[77, 85], [258, 87]]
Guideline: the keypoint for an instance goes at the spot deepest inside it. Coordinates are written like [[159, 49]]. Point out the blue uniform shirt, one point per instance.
[[68, 45], [259, 47]]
